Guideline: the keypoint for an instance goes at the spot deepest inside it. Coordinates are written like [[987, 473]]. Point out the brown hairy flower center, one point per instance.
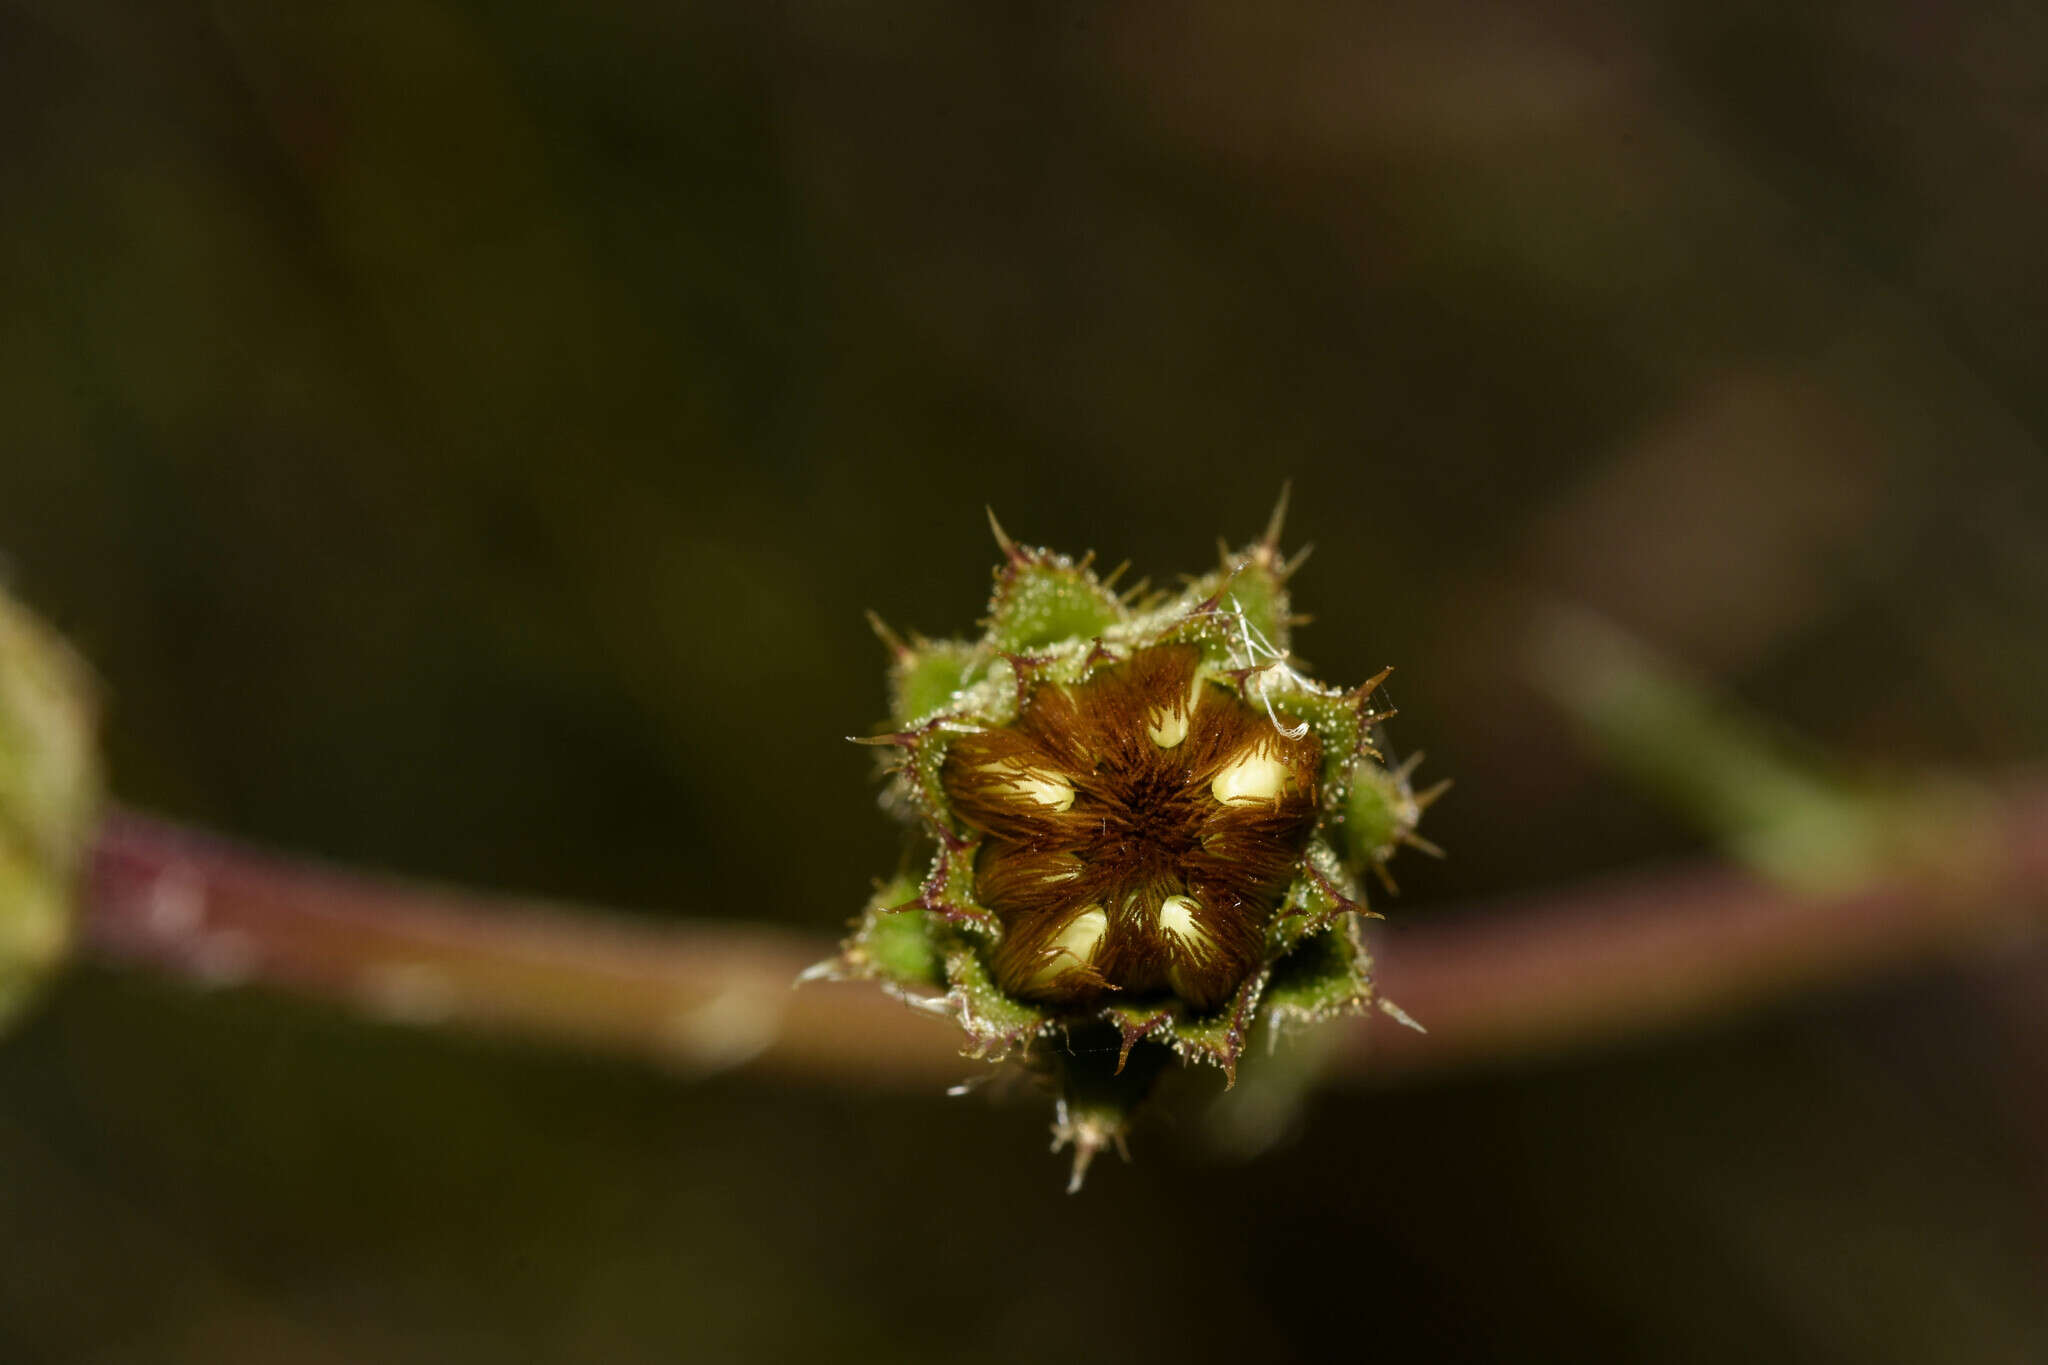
[[1150, 820], [1138, 828]]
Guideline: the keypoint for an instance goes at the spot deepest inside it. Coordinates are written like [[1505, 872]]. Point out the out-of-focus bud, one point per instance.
[[49, 794]]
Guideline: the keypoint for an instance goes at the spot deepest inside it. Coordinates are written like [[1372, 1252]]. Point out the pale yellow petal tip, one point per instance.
[[1254, 777], [1073, 948], [1177, 921], [1035, 785], [1166, 728]]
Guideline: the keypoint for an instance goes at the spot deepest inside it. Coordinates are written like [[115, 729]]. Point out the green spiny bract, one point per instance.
[[1145, 827], [49, 792]]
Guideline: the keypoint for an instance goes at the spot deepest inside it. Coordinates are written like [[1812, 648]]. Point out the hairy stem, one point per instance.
[[1545, 975]]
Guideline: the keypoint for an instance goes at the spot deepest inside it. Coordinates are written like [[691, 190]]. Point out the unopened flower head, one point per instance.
[[1133, 817], [1138, 828]]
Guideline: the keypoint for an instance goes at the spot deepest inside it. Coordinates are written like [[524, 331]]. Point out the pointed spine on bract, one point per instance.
[[1145, 827]]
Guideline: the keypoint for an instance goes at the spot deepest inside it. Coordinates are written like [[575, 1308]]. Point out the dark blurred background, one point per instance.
[[465, 437]]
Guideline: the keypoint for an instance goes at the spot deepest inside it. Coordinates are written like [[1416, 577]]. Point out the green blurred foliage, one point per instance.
[[465, 438]]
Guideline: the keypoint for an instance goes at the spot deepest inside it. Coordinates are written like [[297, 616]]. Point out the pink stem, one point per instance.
[[1594, 965]]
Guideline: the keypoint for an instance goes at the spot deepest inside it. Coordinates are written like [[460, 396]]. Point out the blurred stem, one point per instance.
[[1778, 810], [1541, 976]]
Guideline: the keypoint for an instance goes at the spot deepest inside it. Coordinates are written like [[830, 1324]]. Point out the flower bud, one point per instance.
[[49, 792], [1380, 811], [1142, 824]]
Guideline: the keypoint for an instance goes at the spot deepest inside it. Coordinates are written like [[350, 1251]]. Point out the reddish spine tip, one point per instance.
[[889, 638], [1009, 547]]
